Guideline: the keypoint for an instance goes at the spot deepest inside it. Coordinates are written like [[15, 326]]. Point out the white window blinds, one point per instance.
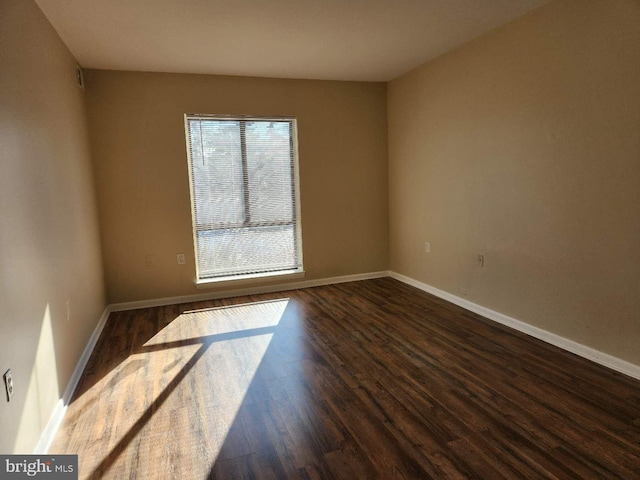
[[244, 193]]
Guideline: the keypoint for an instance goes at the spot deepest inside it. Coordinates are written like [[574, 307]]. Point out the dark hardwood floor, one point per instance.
[[362, 380]]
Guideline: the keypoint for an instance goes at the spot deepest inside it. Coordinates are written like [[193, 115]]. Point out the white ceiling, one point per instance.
[[371, 40]]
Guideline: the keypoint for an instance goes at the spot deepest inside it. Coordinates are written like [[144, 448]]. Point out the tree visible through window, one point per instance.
[[243, 175]]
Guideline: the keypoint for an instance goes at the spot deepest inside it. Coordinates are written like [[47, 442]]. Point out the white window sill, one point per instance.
[[233, 281]]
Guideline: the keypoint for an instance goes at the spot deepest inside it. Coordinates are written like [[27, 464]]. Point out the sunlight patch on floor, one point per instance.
[[194, 376], [221, 320]]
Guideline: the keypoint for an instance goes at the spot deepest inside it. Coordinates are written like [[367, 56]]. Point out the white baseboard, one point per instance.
[[281, 287], [589, 353], [58, 413], [61, 407], [601, 358]]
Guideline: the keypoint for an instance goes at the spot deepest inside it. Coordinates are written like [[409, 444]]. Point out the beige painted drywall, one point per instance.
[[524, 145], [49, 241], [138, 147]]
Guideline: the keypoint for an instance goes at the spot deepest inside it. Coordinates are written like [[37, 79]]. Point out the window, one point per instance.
[[244, 196]]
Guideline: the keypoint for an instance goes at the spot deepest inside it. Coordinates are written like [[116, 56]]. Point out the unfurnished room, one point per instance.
[[341, 239]]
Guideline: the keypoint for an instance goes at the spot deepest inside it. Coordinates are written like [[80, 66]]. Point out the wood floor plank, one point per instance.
[[370, 379]]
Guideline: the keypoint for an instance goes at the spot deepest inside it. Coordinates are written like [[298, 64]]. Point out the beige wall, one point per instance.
[[524, 145], [137, 132], [49, 242]]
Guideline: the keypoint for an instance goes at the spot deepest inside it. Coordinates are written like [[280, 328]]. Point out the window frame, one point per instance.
[[296, 223]]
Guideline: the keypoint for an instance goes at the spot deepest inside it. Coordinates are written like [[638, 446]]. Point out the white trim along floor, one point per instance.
[[589, 353]]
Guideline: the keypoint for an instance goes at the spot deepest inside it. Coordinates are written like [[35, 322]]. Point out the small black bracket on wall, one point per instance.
[[80, 77]]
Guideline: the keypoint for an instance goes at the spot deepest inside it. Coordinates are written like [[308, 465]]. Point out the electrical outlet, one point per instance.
[[180, 258], [427, 247], [480, 260], [8, 384]]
